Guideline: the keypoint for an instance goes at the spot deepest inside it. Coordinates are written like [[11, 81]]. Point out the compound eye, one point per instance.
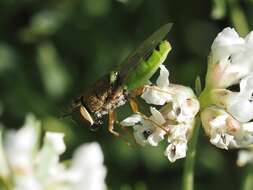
[[95, 127]]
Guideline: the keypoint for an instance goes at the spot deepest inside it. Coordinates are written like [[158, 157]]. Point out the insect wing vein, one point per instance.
[[132, 61]]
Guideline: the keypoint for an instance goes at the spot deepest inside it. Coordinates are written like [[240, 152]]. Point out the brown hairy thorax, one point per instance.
[[103, 98]]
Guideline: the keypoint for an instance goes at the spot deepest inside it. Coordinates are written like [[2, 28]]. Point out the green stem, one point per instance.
[[238, 17], [248, 178], [188, 176], [4, 184]]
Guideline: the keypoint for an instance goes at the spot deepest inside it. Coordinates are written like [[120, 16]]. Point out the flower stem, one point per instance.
[[188, 176], [238, 17], [4, 184], [248, 178]]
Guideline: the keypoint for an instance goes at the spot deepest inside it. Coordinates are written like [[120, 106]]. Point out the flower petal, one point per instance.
[[222, 140], [228, 36], [240, 104], [132, 120], [53, 147], [156, 137], [246, 86], [176, 150], [179, 132], [156, 97], [87, 163], [226, 43], [249, 38], [244, 157], [141, 134], [157, 116], [231, 59], [163, 79], [190, 108], [241, 109], [20, 153], [56, 141]]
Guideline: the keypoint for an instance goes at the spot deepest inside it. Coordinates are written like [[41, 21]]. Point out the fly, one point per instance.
[[118, 87]]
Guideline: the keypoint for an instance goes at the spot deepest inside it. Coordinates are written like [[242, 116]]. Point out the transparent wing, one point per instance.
[[131, 62]]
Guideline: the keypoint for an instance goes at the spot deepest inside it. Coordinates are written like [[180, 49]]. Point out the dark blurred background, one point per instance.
[[52, 50]]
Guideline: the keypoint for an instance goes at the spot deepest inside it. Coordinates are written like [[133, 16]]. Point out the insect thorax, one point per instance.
[[112, 104], [103, 97]]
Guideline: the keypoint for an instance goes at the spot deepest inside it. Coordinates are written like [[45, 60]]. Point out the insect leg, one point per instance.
[[134, 106], [129, 134], [137, 91], [111, 121], [158, 89]]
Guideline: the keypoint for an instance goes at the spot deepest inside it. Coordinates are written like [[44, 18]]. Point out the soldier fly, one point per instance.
[[118, 87]]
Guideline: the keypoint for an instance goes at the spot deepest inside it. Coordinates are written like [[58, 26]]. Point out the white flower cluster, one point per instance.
[[24, 165], [175, 119], [227, 114]]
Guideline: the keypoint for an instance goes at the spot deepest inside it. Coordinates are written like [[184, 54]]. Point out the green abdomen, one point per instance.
[[147, 68]]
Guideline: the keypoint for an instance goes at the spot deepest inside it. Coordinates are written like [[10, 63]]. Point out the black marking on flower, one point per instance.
[[147, 133], [230, 58]]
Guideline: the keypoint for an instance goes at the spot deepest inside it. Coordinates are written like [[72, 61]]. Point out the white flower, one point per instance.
[[226, 132], [238, 104], [245, 157], [241, 103], [178, 138], [183, 101], [230, 60], [175, 118], [176, 150], [181, 131], [161, 95], [87, 168], [219, 134], [230, 63], [20, 146], [185, 104], [144, 130], [132, 120], [56, 140], [20, 150], [147, 133], [39, 169], [47, 159]]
